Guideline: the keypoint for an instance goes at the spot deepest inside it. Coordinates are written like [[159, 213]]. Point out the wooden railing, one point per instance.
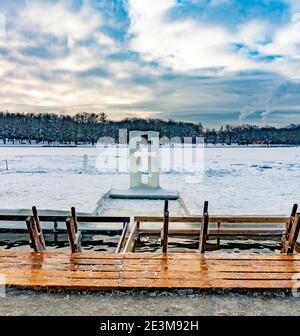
[[214, 219], [225, 226], [239, 226], [36, 232]]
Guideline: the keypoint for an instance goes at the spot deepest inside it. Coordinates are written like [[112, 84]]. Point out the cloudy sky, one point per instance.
[[215, 61]]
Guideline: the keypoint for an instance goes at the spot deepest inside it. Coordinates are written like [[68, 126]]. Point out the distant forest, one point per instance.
[[87, 128]]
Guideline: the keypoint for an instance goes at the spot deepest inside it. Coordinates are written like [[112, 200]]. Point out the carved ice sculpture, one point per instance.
[[144, 159]]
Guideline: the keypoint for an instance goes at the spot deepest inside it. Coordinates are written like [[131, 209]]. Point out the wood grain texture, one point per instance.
[[170, 255], [94, 271]]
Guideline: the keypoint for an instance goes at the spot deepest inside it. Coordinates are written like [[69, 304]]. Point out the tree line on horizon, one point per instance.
[[87, 128]]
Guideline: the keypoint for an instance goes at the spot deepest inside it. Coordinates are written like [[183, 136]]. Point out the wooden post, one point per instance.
[[218, 237], [74, 234], [122, 238], [204, 228], [165, 232], [133, 236], [292, 232], [6, 162], [293, 214], [37, 241]]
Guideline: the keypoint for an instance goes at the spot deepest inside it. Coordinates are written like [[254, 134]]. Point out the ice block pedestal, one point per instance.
[[147, 193]]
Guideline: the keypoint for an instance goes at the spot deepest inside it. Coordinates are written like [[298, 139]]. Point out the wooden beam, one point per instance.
[[204, 228], [293, 214], [37, 241], [294, 232], [218, 235], [74, 235], [165, 233], [122, 238], [62, 219], [130, 241], [289, 238], [224, 232], [213, 219]]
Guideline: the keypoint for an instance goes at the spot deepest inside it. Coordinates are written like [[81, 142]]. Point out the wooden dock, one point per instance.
[[96, 271], [129, 269]]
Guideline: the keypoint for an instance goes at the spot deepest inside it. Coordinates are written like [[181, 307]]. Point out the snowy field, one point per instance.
[[235, 181]]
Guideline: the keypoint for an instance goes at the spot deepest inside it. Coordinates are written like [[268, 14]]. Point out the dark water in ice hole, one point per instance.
[[108, 242]]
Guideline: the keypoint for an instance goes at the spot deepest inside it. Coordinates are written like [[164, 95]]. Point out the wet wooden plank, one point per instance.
[[213, 256], [113, 284], [206, 275], [60, 261], [146, 275], [231, 268], [159, 255], [77, 271], [60, 274], [142, 261], [150, 267], [50, 254]]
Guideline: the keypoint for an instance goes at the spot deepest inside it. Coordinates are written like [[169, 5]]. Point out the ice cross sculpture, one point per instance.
[[144, 159]]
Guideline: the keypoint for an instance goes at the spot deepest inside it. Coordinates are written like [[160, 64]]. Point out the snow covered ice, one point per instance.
[[236, 181]]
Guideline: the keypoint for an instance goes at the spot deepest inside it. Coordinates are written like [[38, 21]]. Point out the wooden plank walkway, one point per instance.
[[96, 271]]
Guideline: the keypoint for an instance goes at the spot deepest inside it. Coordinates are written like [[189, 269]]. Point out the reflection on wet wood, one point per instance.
[[92, 271]]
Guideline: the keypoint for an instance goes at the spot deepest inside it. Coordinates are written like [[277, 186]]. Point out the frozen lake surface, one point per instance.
[[235, 181]]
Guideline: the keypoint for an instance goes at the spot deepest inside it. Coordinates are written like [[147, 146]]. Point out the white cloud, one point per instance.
[[187, 45], [285, 41], [54, 83], [183, 49], [59, 20], [253, 33], [183, 45]]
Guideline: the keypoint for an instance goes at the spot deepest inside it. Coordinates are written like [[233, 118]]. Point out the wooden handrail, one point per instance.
[[223, 232], [214, 219], [60, 218]]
